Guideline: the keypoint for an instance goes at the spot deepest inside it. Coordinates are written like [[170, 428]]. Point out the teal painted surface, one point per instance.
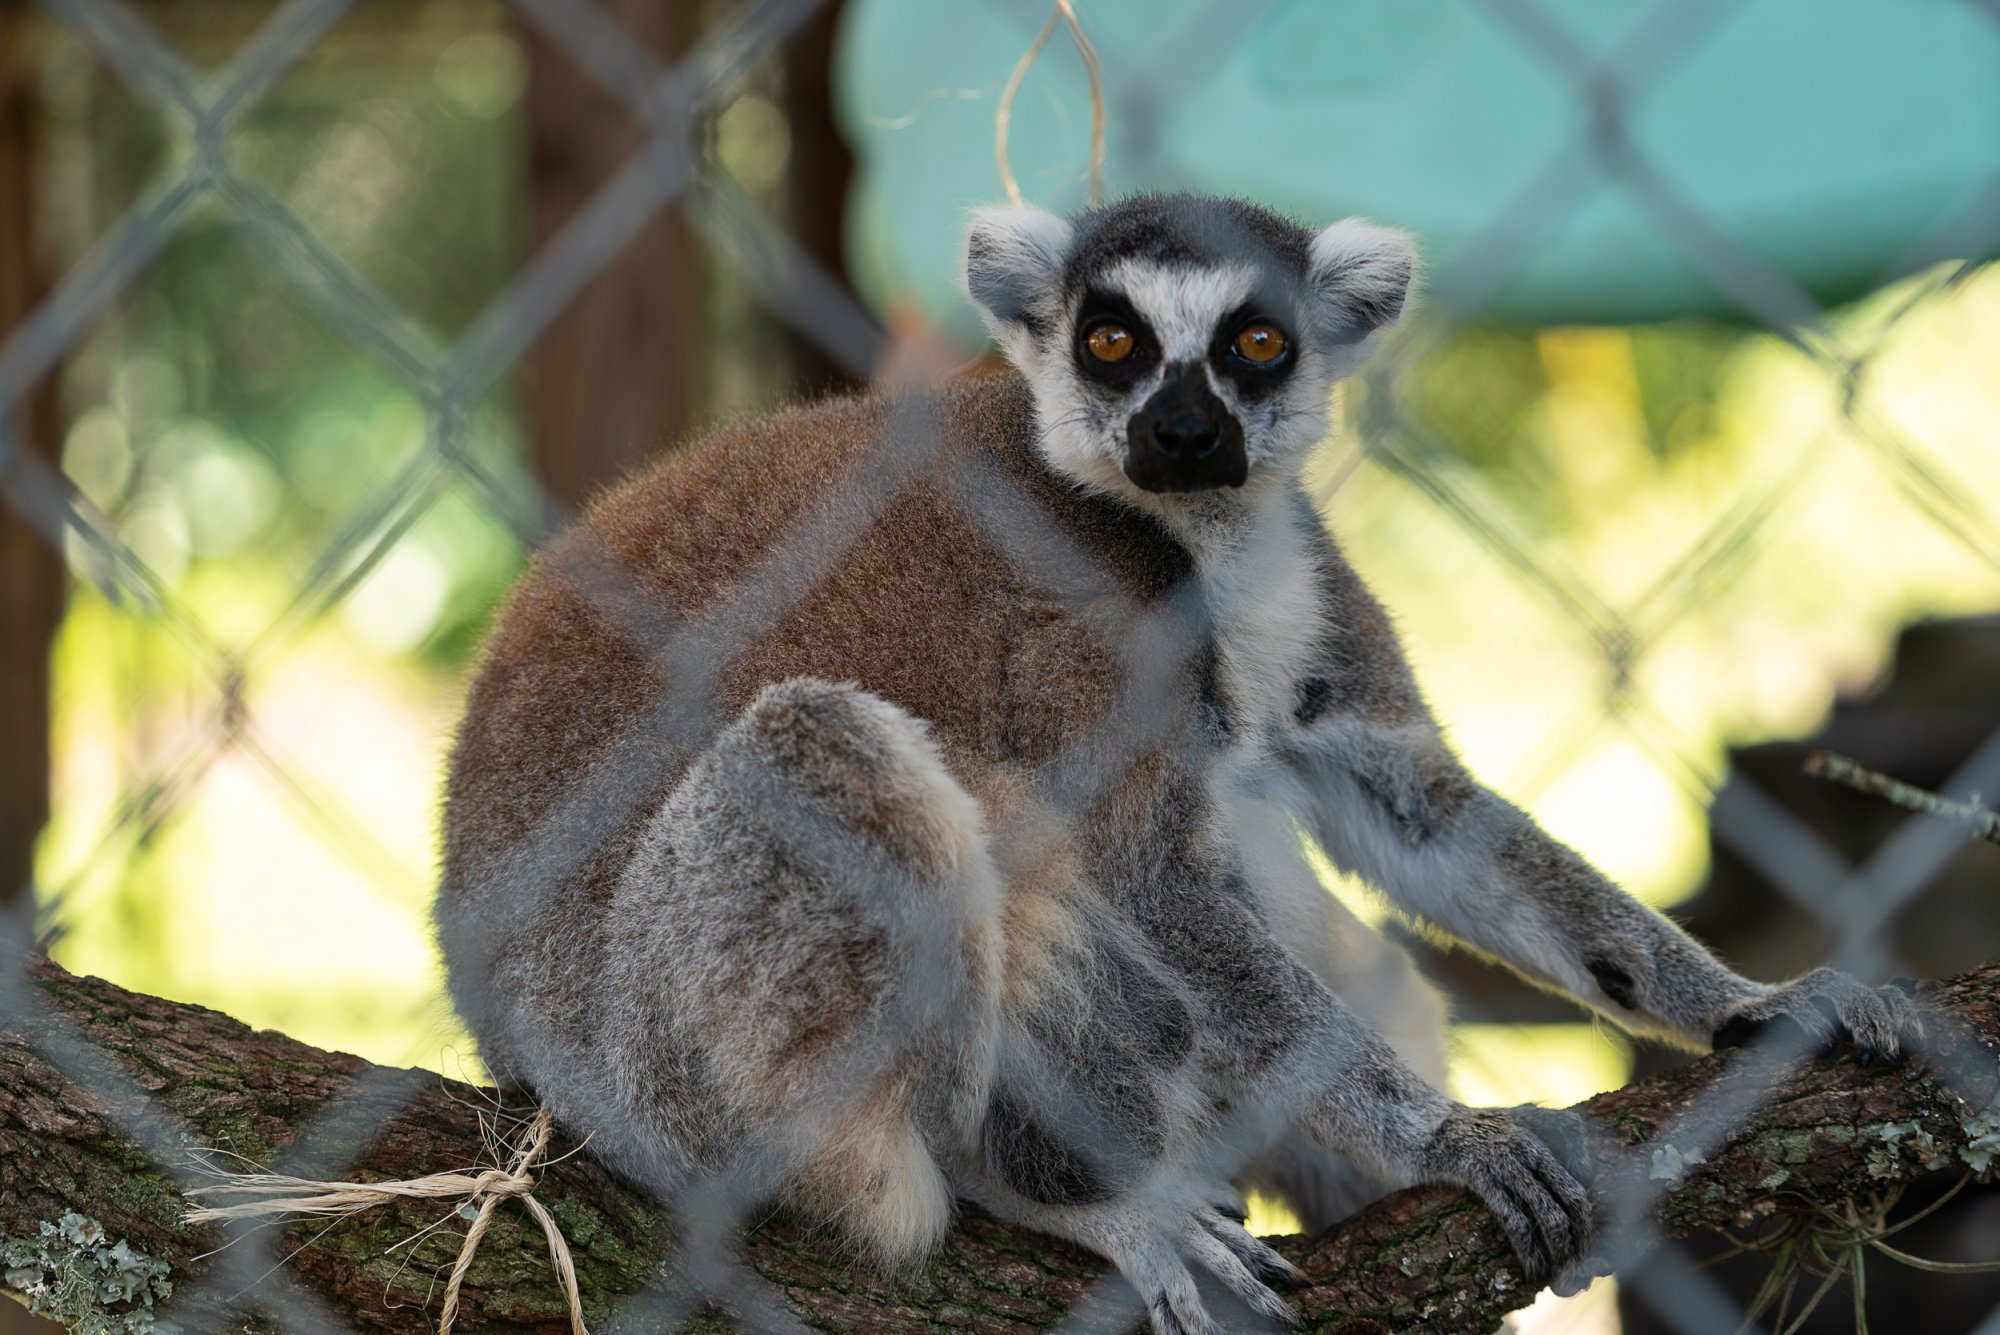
[[1786, 150]]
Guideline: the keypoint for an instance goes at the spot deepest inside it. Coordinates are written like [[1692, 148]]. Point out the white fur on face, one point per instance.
[[1084, 432], [1358, 278], [1183, 306]]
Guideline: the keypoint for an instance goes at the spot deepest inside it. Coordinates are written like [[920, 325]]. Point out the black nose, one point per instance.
[[1186, 436]]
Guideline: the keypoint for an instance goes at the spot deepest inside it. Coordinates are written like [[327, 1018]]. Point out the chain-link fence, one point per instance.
[[1593, 588]]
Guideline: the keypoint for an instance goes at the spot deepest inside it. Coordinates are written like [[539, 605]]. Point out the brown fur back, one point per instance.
[[922, 609]]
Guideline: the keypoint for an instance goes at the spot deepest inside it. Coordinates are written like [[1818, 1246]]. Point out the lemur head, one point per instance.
[[1181, 343]]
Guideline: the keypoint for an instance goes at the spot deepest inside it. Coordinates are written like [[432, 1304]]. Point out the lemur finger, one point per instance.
[[1230, 1205], [1264, 1263], [1908, 1019], [1560, 1180], [1521, 1233], [1552, 1201], [1553, 1243], [1151, 1265], [1561, 1208], [1221, 1261], [1176, 1309], [1583, 1270], [1898, 1031], [1576, 1277], [1570, 1238]]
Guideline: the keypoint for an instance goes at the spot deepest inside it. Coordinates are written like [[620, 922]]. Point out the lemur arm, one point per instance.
[[1388, 801]]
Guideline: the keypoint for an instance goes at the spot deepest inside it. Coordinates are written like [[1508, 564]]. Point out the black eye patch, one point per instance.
[[1104, 308], [1253, 381]]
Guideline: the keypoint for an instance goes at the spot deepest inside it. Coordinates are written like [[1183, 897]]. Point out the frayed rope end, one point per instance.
[[275, 1195]]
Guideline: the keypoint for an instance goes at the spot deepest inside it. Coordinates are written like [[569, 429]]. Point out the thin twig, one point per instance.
[[1840, 769]]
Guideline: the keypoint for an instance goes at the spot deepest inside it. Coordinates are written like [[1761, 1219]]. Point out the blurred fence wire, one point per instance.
[[667, 170]]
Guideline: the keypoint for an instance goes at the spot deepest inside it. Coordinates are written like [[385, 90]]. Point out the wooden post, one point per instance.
[[31, 585], [612, 379], [816, 180]]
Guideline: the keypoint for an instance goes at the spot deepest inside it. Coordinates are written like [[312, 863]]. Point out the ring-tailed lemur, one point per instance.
[[991, 884]]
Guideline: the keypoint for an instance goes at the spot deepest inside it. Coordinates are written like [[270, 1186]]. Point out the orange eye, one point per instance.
[[1260, 343], [1109, 342]]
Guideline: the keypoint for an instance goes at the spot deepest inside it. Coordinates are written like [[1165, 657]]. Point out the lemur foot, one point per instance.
[[1828, 1006], [1539, 1202], [1225, 1220], [1219, 1244]]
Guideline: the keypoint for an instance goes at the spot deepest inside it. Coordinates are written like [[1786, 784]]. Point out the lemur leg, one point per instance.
[[1276, 1049], [1338, 1082], [1378, 980], [1374, 976], [809, 928], [1329, 1072]]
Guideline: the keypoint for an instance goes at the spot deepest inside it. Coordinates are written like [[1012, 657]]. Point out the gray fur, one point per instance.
[[1035, 927]]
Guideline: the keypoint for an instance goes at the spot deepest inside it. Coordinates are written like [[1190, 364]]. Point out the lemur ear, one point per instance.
[[1013, 259], [1364, 273]]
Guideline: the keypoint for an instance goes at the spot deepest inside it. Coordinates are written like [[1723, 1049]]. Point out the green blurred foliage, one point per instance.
[[323, 577], [219, 416]]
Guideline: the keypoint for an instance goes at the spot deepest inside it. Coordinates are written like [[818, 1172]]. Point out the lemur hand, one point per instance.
[[1829, 1007], [1574, 1142], [1539, 1202]]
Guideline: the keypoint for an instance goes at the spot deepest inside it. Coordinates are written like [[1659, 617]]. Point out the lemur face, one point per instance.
[[1181, 343]]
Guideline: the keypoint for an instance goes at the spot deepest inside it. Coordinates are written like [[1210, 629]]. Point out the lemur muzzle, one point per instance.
[[1185, 438]]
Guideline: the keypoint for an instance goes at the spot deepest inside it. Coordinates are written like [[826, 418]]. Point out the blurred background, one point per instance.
[[315, 317]]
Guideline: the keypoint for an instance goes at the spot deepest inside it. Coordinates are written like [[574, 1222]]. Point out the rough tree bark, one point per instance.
[[1425, 1260]]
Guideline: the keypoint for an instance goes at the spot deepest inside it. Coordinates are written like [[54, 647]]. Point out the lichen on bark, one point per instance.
[[74, 1273]]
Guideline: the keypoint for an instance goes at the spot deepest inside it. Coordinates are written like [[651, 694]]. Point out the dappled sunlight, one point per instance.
[[284, 874], [1755, 555], [1592, 1312], [1555, 1065]]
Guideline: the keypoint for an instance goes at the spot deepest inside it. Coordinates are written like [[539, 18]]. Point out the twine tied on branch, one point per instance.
[[281, 1195]]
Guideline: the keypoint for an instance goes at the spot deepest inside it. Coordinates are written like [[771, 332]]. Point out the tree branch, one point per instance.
[[1427, 1260]]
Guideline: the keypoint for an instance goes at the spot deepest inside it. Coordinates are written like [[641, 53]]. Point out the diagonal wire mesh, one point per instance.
[[1391, 439]]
